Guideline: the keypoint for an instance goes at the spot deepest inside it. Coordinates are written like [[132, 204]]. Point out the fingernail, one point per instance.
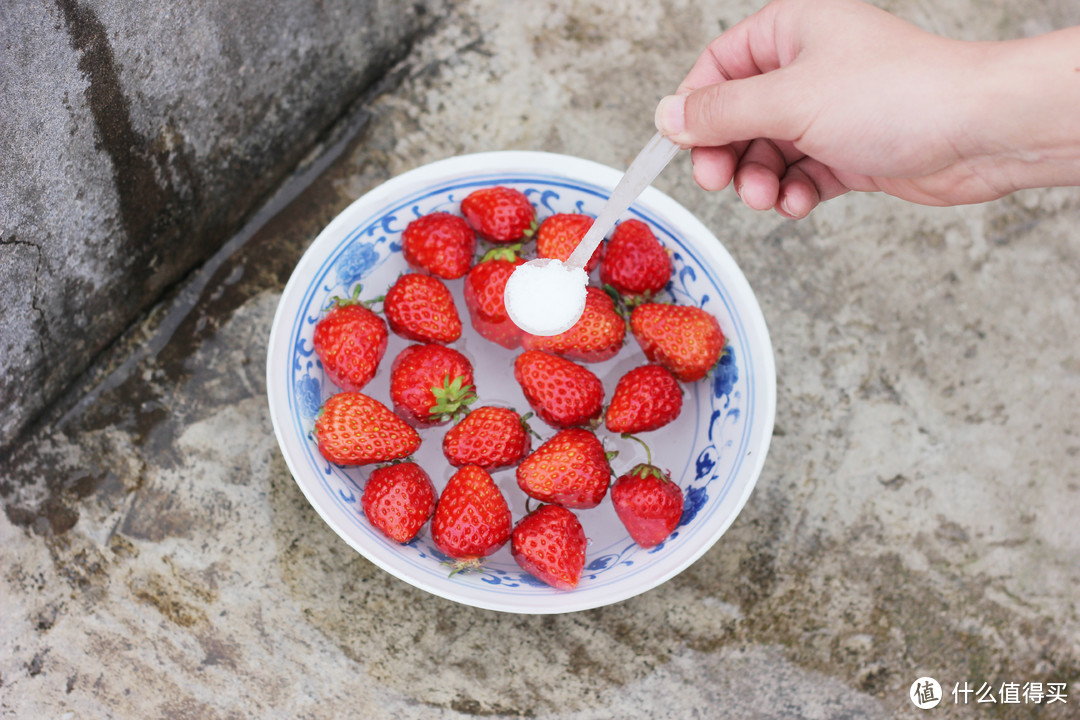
[[785, 207], [671, 115]]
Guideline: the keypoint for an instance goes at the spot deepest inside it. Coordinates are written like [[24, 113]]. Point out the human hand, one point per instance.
[[806, 100]]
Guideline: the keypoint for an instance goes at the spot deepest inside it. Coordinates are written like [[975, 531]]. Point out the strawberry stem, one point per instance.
[[648, 452]]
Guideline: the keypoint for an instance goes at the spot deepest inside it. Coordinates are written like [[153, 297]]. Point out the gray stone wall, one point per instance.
[[136, 136]]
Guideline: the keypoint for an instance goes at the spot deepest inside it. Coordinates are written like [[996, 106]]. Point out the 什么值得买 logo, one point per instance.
[[925, 693]]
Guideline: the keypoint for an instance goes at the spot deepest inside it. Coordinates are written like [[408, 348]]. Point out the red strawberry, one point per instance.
[[491, 437], [596, 337], [561, 392], [549, 544], [635, 263], [570, 469], [499, 214], [398, 499], [350, 341], [440, 243], [559, 234], [354, 429], [484, 287], [685, 339], [472, 519], [648, 503], [431, 384], [646, 398], [420, 307]]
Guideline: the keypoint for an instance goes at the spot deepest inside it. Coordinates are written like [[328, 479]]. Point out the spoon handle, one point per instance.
[[653, 158]]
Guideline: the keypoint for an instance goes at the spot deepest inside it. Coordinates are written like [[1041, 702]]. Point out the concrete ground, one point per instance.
[[916, 515]]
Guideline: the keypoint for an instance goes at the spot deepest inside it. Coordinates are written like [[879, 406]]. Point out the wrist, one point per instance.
[[1026, 116]]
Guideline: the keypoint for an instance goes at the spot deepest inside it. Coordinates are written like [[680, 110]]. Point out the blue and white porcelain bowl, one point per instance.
[[715, 450]]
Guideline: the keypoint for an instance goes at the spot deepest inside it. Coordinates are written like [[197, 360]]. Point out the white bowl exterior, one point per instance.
[[715, 450]]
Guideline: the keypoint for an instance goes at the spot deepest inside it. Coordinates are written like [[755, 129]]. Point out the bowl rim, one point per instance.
[[499, 164]]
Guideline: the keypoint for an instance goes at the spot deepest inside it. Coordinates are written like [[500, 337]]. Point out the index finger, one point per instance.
[[748, 48]]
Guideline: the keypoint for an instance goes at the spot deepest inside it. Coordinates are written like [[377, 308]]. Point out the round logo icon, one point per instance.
[[925, 693]]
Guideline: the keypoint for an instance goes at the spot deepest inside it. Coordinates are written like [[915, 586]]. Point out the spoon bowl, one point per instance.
[[547, 297]]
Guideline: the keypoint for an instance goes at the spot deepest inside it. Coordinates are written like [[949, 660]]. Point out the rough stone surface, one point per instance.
[[916, 514], [137, 136]]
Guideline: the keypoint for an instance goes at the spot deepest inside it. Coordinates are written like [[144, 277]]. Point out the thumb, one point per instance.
[[732, 110]]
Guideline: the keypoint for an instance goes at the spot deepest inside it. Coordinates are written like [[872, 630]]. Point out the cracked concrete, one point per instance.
[[916, 515]]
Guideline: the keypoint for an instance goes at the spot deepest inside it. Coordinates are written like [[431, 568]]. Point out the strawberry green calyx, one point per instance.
[[528, 428], [397, 461], [471, 564], [508, 253], [632, 301], [612, 293], [646, 469], [353, 299], [530, 231], [453, 398], [626, 302]]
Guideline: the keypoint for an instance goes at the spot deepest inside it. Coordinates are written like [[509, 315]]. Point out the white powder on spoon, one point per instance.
[[546, 296]]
